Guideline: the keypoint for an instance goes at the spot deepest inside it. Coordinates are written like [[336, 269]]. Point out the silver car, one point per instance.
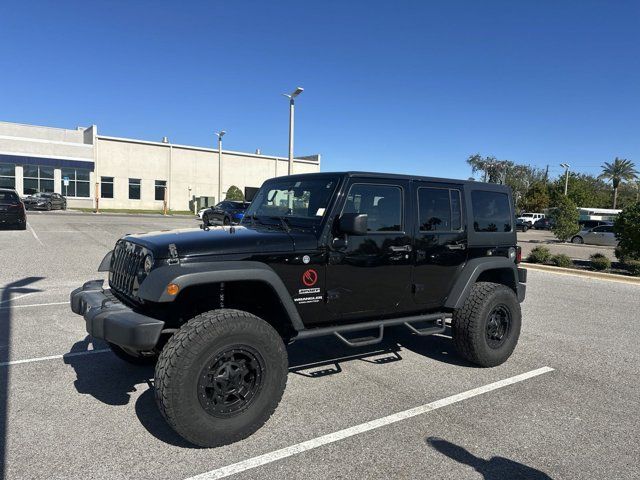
[[602, 235]]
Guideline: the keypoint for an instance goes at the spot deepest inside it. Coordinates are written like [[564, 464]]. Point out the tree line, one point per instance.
[[617, 186]]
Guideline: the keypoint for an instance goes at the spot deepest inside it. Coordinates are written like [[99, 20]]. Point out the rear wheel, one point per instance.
[[220, 377], [133, 357], [487, 327]]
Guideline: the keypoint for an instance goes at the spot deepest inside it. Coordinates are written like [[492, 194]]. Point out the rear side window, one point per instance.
[[491, 211], [9, 197], [439, 209]]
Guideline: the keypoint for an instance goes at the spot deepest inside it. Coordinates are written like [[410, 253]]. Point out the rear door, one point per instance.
[[440, 241]]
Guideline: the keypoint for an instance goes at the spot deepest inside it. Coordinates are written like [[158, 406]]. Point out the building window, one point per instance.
[[161, 185], [37, 179], [78, 179], [7, 175], [106, 187], [134, 189]]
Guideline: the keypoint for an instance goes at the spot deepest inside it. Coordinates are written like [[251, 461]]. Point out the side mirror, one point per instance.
[[353, 223]]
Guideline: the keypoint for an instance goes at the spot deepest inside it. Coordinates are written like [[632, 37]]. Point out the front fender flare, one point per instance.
[[470, 273], [153, 288]]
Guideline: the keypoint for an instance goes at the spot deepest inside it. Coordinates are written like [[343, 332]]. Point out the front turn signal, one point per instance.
[[173, 289]]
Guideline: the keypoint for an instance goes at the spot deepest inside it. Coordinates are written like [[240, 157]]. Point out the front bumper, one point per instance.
[[110, 320]]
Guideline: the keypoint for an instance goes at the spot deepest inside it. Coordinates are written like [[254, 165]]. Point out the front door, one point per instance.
[[440, 245], [372, 273]]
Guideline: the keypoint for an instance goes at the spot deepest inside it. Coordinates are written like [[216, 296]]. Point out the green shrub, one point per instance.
[[600, 262], [539, 254], [234, 193], [627, 230], [634, 267], [566, 217], [562, 260]]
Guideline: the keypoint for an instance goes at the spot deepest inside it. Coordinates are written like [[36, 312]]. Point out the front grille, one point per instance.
[[126, 263]]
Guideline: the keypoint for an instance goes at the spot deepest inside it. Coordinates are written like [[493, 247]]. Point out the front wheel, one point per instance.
[[206, 220], [226, 221], [487, 327], [577, 240], [49, 207], [524, 228], [220, 377]]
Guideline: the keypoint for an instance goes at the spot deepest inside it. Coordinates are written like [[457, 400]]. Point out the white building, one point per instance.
[[127, 173]]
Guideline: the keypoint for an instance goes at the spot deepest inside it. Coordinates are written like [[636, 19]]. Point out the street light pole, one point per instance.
[[292, 98], [220, 134], [566, 177]]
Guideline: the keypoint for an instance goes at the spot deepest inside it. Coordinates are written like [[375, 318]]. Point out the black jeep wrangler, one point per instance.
[[343, 254]]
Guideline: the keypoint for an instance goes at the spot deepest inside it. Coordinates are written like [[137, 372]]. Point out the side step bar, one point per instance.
[[438, 320]]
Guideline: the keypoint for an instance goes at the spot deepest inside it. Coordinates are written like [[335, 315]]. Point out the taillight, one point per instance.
[[518, 254]]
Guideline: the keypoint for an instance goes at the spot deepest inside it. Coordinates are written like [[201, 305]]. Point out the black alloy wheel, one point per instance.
[[498, 326], [48, 206], [229, 382]]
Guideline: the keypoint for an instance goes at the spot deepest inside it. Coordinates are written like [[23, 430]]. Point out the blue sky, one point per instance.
[[411, 87]]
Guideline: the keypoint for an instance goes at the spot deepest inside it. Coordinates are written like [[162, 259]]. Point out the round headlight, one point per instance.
[[148, 264]]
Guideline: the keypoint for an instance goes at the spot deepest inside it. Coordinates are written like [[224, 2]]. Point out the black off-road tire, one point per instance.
[[132, 357], [184, 362], [470, 324]]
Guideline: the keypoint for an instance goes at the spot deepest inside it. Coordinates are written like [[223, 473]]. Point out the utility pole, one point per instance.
[[292, 98], [220, 134], [566, 177]]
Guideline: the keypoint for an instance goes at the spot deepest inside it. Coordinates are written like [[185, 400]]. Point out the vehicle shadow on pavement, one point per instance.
[[496, 468], [323, 356], [19, 287], [114, 382]]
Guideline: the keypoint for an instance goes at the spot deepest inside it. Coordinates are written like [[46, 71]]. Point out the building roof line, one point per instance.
[[204, 149]]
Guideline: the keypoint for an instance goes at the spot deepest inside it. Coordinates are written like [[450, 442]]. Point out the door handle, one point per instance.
[[403, 248], [456, 246]]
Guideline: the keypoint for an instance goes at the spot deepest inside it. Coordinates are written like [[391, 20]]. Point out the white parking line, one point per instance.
[[276, 455], [16, 298], [53, 357], [34, 305], [33, 232]]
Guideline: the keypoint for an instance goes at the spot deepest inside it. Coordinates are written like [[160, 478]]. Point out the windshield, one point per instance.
[[305, 200]]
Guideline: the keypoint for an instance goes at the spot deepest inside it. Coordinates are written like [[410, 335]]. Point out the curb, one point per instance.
[[612, 277]]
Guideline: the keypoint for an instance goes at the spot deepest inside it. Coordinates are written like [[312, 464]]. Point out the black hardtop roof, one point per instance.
[[396, 176]]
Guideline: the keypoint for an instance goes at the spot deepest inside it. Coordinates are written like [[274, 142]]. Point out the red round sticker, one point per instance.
[[310, 277]]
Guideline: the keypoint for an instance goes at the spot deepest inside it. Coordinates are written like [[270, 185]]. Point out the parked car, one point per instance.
[[522, 225], [12, 211], [601, 235], [201, 212], [345, 253], [544, 224], [45, 201], [530, 218], [588, 224], [226, 212]]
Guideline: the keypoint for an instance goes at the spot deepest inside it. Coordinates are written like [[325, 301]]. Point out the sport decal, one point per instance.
[[310, 277]]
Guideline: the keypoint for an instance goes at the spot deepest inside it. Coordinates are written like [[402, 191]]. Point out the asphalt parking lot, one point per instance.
[[566, 405]]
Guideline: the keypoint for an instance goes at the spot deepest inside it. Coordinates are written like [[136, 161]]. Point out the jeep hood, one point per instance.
[[192, 242]]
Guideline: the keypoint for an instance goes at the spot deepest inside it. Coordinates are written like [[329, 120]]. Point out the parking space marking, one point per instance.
[[53, 357], [33, 232], [16, 298], [34, 305], [276, 455]]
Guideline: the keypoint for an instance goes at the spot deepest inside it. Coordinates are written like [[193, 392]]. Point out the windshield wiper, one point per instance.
[[284, 222]]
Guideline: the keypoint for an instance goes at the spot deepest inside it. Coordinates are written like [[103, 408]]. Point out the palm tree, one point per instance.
[[621, 170]]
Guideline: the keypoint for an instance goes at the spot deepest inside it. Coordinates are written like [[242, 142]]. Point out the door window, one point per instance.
[[439, 210], [381, 203]]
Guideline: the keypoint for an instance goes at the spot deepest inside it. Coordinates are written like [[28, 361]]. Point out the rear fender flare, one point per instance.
[[470, 273]]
